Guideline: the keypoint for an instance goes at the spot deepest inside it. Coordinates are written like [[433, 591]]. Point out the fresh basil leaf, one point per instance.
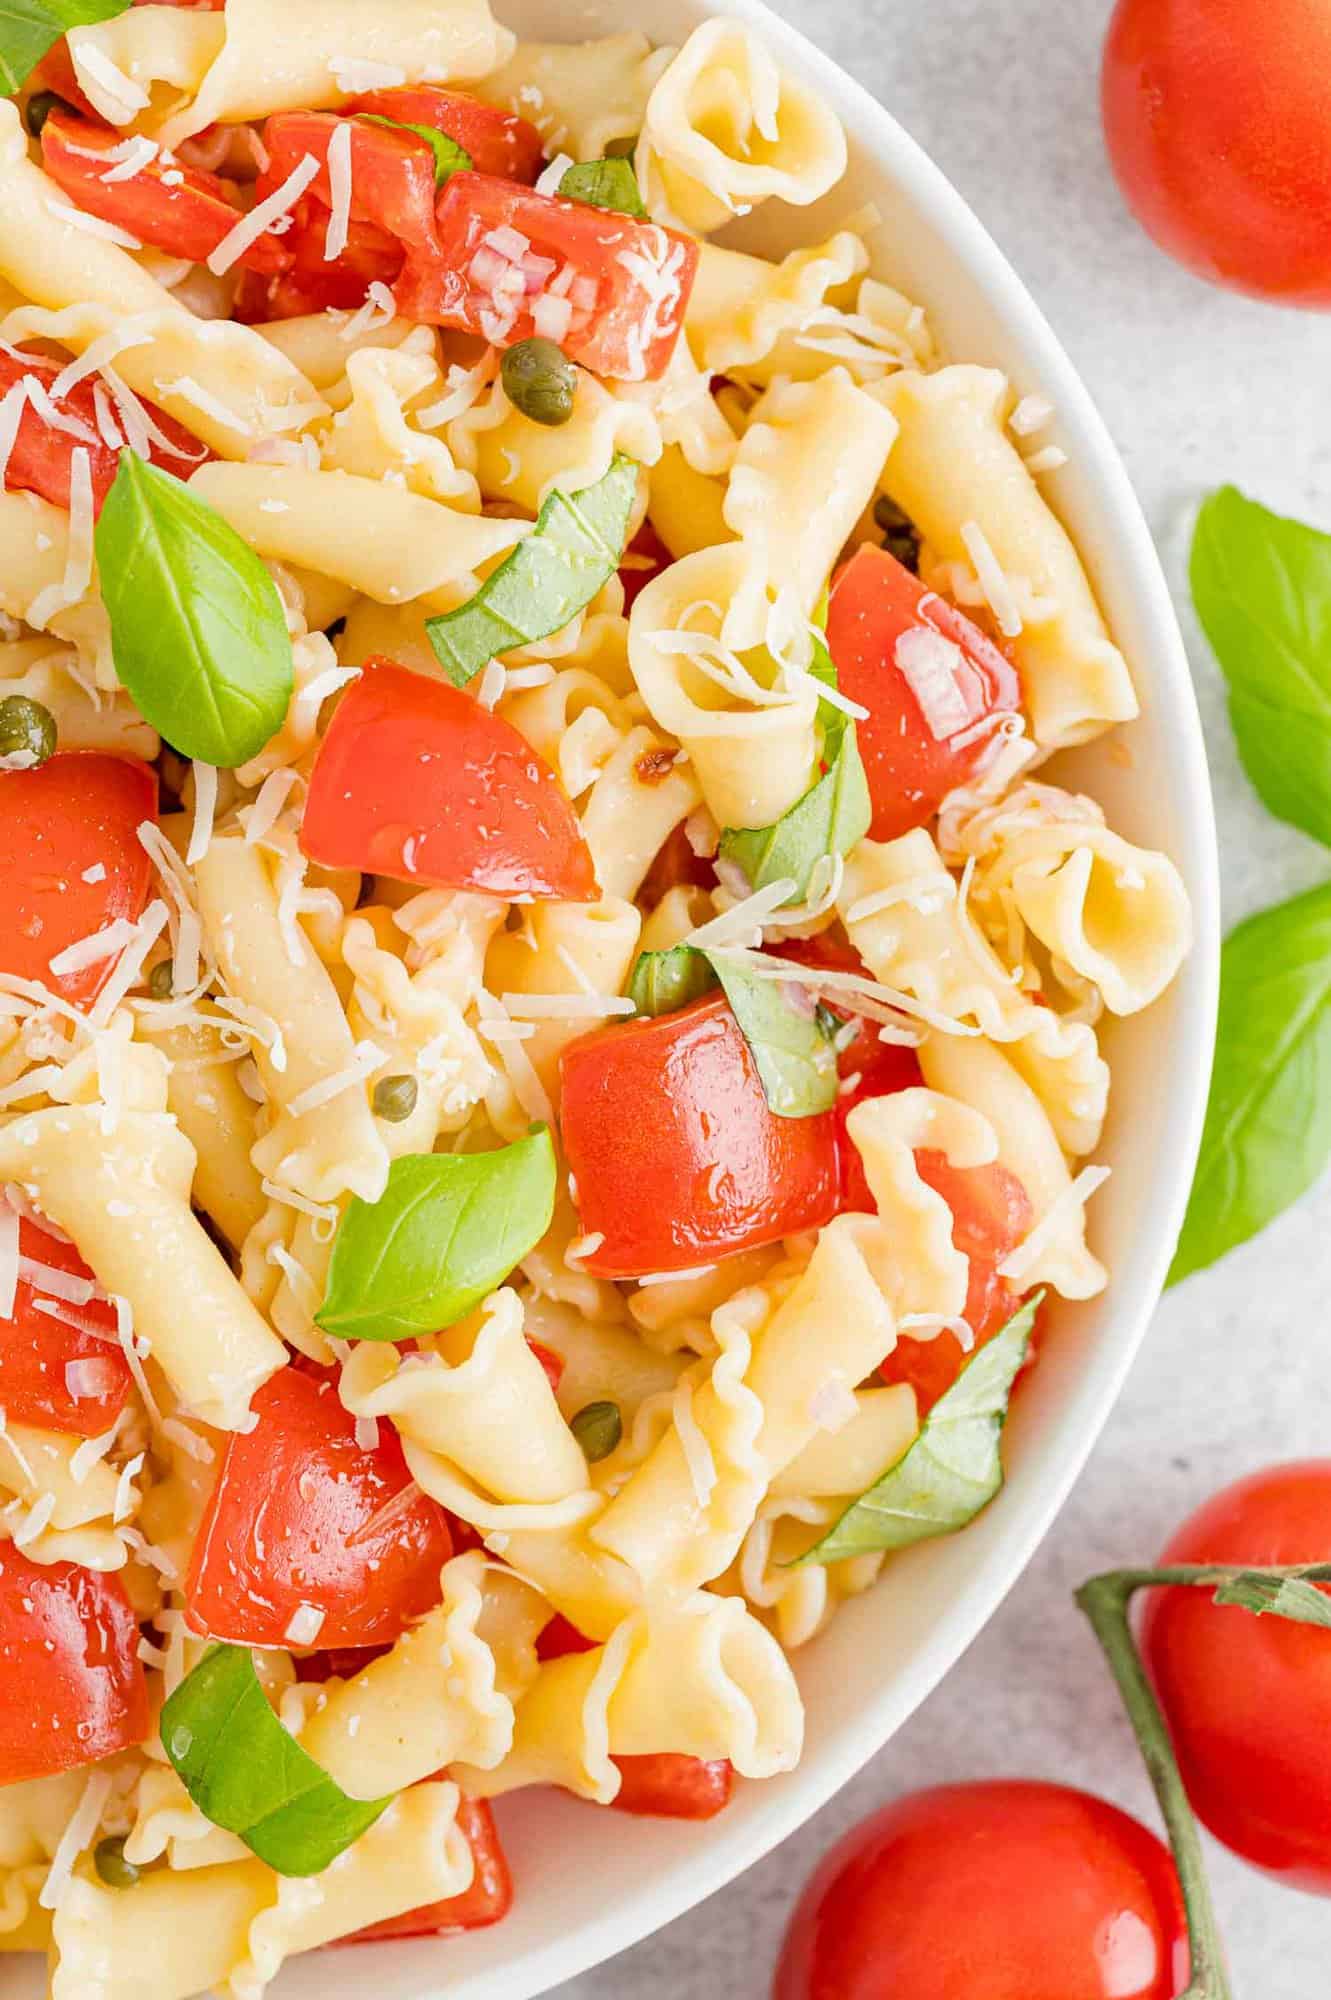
[[1267, 1135], [664, 981], [198, 633], [246, 1773], [828, 821], [29, 28], [574, 548], [1284, 1596], [449, 157], [448, 1228], [1262, 587], [796, 1062], [609, 183], [955, 1466]]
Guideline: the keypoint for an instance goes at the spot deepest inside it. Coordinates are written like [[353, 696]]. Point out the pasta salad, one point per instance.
[[549, 1006]]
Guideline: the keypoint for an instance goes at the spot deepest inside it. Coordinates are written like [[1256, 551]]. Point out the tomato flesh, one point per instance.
[[392, 172], [677, 1157], [875, 602], [1003, 1891], [667, 1786], [295, 1520], [313, 282], [74, 1686], [415, 780], [187, 217], [79, 811], [485, 1902], [38, 1347], [1249, 1699], [496, 142], [41, 457], [1215, 114], [591, 257]]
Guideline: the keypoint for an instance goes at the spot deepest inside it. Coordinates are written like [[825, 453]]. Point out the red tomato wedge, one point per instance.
[[74, 1686], [392, 172], [675, 866], [666, 1786], [415, 780], [313, 282], [43, 452], [677, 1157], [39, 1348], [489, 1897], [914, 751], [552, 1363], [55, 73], [303, 1515], [559, 1637], [187, 217], [496, 142], [513, 263], [76, 813]]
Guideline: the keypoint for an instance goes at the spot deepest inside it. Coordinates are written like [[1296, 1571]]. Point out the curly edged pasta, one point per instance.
[[582, 97]]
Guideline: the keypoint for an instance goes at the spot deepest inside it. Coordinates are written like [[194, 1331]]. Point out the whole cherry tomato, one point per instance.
[[1248, 1699], [1001, 1891], [1218, 118]]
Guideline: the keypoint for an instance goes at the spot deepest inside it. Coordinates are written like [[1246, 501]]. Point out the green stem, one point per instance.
[[1105, 1601]]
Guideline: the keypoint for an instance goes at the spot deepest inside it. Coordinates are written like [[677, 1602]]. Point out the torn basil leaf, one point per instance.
[[449, 157], [795, 1060], [29, 29], [447, 1229], [664, 981], [573, 550], [246, 1773], [608, 183], [955, 1466]]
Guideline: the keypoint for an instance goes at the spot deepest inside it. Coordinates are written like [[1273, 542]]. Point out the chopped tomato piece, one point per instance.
[[304, 1515], [644, 558], [55, 73], [671, 1113], [73, 816], [496, 142], [392, 172], [187, 217], [513, 263], [74, 1685], [667, 1786], [415, 780], [341, 1663], [313, 282], [42, 454], [676, 866], [932, 720], [61, 1366], [552, 1363], [489, 1897], [559, 1638]]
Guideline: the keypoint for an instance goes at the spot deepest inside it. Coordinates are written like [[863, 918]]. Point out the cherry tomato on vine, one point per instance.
[[1248, 1700], [1000, 1891], [1217, 115]]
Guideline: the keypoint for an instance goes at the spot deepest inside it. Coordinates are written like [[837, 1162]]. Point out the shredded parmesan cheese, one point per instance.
[[306, 1625], [998, 592], [263, 215], [82, 1824], [1031, 414], [77, 579], [339, 187], [697, 1451], [92, 225], [366, 1059], [565, 1006], [205, 810], [1019, 1261]]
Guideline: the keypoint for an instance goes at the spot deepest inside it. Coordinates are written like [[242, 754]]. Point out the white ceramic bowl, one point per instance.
[[591, 1883]]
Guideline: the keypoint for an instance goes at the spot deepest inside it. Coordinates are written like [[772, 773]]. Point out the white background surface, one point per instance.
[[1198, 387]]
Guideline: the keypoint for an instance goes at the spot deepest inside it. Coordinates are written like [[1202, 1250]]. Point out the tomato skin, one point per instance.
[[487, 1901], [1216, 120], [497, 142], [675, 865], [615, 333], [668, 1786], [74, 1685], [79, 809], [41, 457], [1249, 1699], [414, 779], [288, 1524], [552, 1363], [999, 1891], [312, 282], [677, 1157], [875, 599], [188, 218], [56, 73], [36, 1348], [392, 172]]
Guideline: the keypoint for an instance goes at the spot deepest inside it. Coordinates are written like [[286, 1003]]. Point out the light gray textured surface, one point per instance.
[[1197, 387]]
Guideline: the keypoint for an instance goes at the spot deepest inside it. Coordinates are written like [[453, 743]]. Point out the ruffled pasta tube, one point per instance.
[[34, 564], [580, 96], [838, 1464], [954, 467], [514, 459], [480, 1401], [727, 127], [125, 1200], [980, 1074], [37, 1468], [1118, 915], [685, 506], [702, 1679], [741, 305], [164, 52], [825, 439], [392, 545], [217, 1118], [753, 745], [577, 952], [303, 1044], [310, 57], [373, 437]]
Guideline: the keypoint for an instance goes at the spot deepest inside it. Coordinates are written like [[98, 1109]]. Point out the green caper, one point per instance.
[[622, 149], [395, 1098], [598, 1428], [161, 983], [901, 537], [39, 109], [27, 733], [540, 381], [108, 1858]]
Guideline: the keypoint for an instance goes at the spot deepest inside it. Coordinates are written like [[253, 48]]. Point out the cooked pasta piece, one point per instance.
[[58, 1511], [514, 459], [741, 305], [145, 65], [580, 96]]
